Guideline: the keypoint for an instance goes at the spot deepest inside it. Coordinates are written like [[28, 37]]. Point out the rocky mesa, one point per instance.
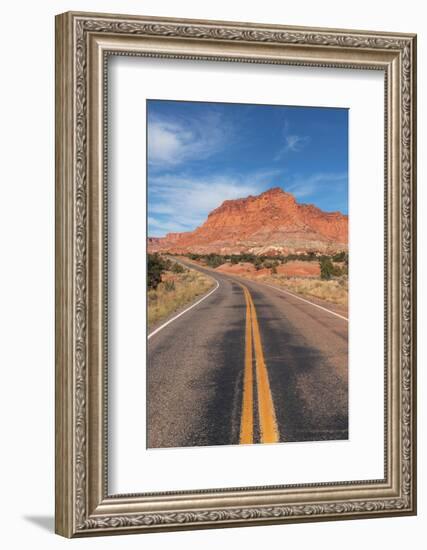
[[270, 223]]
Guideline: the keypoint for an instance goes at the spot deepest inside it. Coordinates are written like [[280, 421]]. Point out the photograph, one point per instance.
[[247, 274], [235, 271]]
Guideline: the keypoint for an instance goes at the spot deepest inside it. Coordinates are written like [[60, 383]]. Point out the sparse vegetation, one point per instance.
[[332, 290], [258, 263], [270, 264], [340, 257], [214, 260], [331, 265], [169, 286], [177, 268], [156, 266], [326, 269], [194, 257], [178, 287], [271, 261], [331, 286]]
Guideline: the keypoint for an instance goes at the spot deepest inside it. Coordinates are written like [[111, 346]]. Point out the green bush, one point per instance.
[[194, 257], [271, 264], [247, 257], [258, 263], [155, 268], [326, 268], [214, 260], [177, 268], [337, 271], [273, 261], [340, 257]]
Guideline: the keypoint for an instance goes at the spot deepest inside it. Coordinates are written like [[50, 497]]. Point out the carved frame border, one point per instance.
[[83, 42]]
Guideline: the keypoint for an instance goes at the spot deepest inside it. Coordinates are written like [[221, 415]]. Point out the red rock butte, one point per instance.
[[271, 223]]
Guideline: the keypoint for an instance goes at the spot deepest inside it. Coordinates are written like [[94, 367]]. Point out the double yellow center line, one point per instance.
[[269, 432]]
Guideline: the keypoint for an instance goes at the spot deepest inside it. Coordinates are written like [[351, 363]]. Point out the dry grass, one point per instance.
[[175, 291], [334, 290]]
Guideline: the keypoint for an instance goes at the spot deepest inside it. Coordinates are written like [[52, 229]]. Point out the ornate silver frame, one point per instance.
[[83, 42]]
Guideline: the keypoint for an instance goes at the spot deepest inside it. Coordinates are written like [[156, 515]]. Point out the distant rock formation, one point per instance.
[[271, 223]]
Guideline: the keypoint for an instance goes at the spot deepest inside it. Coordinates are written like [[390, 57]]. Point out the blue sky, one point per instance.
[[200, 154]]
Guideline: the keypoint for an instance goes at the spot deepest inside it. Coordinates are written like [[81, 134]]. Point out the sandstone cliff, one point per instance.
[[270, 223]]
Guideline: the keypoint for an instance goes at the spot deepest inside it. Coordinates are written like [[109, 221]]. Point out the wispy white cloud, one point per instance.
[[293, 143], [296, 143], [181, 202], [172, 141]]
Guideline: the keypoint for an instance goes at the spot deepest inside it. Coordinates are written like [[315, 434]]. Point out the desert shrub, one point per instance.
[[326, 268], [307, 257], [169, 286], [177, 268], [258, 263], [340, 257], [155, 267], [167, 263], [171, 295], [214, 260], [336, 270], [194, 257], [270, 264], [234, 259], [247, 257]]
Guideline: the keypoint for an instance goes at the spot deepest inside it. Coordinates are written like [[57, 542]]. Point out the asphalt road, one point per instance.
[[249, 364]]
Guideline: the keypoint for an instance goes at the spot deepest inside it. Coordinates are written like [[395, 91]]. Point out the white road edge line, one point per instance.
[[182, 312], [307, 301]]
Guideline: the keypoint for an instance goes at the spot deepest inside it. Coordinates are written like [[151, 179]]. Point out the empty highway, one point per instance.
[[248, 364]]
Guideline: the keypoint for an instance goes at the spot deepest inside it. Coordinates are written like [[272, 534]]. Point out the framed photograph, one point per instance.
[[235, 274]]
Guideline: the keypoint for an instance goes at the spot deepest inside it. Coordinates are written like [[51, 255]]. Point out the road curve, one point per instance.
[[248, 364]]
